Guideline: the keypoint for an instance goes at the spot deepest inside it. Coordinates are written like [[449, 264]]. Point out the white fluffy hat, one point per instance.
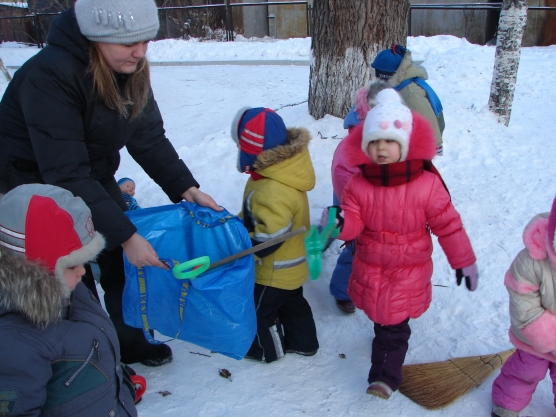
[[389, 119]]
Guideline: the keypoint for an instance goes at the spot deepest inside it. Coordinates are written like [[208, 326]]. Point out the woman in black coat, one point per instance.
[[63, 120]]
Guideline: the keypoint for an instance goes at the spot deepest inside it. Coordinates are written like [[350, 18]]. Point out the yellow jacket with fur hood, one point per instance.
[[277, 204]]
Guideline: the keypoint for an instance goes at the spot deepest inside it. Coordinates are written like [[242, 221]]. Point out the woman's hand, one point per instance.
[[194, 195], [140, 253]]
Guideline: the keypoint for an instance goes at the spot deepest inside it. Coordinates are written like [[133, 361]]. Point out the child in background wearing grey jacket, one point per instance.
[[531, 284]]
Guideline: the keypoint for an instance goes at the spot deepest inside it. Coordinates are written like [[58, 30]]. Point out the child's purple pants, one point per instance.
[[389, 348], [514, 387]]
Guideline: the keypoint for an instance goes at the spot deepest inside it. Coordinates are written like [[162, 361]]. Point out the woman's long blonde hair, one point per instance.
[[137, 87]]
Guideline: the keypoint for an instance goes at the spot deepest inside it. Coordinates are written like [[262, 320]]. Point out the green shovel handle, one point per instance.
[[191, 269]]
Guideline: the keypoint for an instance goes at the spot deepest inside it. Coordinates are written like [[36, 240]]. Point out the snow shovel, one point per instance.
[[315, 242], [437, 384], [195, 267]]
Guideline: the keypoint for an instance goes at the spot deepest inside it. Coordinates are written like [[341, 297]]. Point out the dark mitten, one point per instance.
[[471, 275], [339, 217]]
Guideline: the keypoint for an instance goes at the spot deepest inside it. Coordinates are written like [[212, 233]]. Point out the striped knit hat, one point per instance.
[[48, 225], [255, 130]]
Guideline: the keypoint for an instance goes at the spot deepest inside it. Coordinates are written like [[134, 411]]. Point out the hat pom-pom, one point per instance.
[[388, 96]]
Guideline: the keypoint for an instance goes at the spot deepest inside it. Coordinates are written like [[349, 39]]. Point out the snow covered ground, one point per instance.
[[498, 176]]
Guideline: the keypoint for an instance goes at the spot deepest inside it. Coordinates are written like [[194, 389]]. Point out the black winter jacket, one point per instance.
[[57, 359], [54, 130]]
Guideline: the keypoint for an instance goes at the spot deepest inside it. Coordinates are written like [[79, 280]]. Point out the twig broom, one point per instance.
[[438, 384]]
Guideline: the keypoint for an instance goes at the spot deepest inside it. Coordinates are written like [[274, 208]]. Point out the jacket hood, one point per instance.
[[422, 143], [64, 33], [290, 163], [537, 241], [29, 289], [407, 70]]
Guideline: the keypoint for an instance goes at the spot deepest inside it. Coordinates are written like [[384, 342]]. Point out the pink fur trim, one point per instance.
[[361, 105], [529, 349], [518, 287], [353, 154], [422, 143], [541, 333], [534, 238]]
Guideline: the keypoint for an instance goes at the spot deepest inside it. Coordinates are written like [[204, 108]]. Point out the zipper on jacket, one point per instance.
[[72, 378], [95, 346]]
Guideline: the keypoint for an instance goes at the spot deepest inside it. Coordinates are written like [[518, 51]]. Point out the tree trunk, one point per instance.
[[513, 18], [347, 35], [5, 71]]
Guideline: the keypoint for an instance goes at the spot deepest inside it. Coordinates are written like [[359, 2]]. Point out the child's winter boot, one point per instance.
[[498, 411], [379, 389]]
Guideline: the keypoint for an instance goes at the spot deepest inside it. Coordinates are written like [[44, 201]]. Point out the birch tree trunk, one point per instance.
[[513, 18], [5, 71], [347, 35]]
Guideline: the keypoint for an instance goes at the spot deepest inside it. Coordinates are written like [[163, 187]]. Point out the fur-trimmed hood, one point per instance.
[[289, 164], [422, 143], [30, 290], [298, 141], [407, 70], [537, 241]]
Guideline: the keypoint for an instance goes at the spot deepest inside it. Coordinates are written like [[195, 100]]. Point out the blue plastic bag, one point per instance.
[[216, 310]]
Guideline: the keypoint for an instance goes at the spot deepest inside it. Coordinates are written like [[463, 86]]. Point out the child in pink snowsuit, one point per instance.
[[531, 284], [390, 208]]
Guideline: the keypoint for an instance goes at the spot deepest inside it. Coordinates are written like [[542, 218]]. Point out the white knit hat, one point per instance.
[[117, 21], [389, 119]]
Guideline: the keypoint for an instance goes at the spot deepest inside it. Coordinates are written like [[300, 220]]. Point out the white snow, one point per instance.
[[498, 176]]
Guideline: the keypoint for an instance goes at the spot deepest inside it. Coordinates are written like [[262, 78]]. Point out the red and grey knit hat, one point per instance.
[[255, 130], [48, 225]]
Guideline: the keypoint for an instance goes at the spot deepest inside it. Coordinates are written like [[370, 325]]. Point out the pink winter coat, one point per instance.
[[341, 170], [392, 267]]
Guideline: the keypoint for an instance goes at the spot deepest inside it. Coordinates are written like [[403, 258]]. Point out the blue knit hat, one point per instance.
[[388, 61], [124, 179], [255, 130]]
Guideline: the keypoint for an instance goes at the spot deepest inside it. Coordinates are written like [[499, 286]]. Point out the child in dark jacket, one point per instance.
[[389, 208], [531, 284], [274, 203], [59, 352]]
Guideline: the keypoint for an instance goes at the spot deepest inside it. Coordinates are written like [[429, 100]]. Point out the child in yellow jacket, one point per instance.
[[274, 203]]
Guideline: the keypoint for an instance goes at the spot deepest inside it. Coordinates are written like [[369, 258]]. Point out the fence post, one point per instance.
[[409, 24], [229, 24], [307, 11], [36, 24]]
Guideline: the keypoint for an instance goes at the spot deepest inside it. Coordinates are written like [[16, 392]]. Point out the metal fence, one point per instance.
[[477, 22], [224, 22]]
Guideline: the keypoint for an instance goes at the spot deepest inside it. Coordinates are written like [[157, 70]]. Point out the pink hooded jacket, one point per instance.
[[392, 267]]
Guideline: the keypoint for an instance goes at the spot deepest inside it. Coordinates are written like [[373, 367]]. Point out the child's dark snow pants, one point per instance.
[[284, 323], [389, 348]]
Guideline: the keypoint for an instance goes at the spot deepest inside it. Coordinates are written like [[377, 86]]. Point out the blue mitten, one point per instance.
[[471, 275]]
